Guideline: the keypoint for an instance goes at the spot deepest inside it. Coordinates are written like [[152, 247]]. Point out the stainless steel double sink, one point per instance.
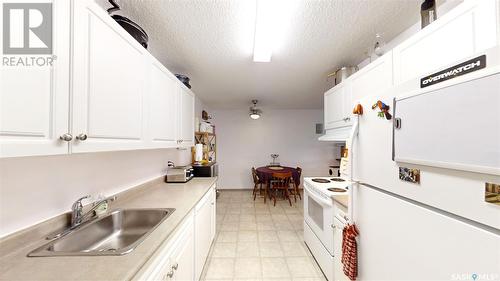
[[117, 233]]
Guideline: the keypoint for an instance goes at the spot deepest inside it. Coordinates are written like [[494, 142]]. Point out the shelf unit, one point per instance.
[[209, 145]]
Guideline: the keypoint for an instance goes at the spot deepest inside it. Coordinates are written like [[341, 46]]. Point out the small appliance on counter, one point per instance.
[[178, 174], [210, 169]]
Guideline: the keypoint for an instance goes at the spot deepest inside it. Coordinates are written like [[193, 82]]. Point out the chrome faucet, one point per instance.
[[77, 215]]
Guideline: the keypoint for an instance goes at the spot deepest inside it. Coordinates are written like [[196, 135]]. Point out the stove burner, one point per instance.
[[321, 180], [337, 179], [335, 189]]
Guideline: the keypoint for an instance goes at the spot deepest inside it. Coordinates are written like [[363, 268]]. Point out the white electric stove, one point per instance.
[[319, 219]]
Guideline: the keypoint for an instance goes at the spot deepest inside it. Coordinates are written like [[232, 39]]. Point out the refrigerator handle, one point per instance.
[[397, 122], [350, 141]]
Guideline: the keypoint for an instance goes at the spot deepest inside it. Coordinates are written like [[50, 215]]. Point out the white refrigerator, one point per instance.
[[440, 228]]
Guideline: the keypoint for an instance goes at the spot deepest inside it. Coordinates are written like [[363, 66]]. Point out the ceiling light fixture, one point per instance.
[[263, 41], [254, 111], [272, 19]]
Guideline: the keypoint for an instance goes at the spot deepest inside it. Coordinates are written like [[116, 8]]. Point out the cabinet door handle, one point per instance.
[[170, 274], [81, 137], [347, 119], [333, 226], [175, 266], [66, 137]]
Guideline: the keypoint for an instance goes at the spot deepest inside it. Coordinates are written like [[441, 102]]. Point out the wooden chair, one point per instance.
[[295, 187], [257, 184], [281, 182]]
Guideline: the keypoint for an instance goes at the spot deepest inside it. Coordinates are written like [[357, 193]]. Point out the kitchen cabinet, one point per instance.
[[34, 100], [163, 97], [108, 83], [213, 221], [104, 92], [375, 78], [182, 261], [182, 257], [204, 229], [337, 106], [175, 259], [186, 132], [469, 28]]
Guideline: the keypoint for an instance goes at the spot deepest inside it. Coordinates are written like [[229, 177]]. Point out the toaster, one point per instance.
[[179, 174]]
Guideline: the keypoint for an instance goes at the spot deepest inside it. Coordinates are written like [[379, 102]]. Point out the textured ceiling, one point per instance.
[[211, 41]]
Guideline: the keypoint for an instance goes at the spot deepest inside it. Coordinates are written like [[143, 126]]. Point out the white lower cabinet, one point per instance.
[[183, 257], [182, 261], [204, 230], [175, 259]]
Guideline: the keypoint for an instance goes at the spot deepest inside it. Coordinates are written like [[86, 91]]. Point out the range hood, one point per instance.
[[336, 135]]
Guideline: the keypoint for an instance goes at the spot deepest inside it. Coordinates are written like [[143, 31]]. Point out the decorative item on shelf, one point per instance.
[[409, 174], [184, 79], [378, 49], [384, 110], [131, 27], [428, 12], [340, 75], [205, 116], [358, 109], [492, 193], [274, 163], [254, 111]]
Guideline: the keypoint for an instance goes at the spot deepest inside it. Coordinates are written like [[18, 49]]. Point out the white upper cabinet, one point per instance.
[[108, 83], [104, 92], [186, 132], [34, 100], [163, 109], [469, 28], [375, 78], [337, 106]]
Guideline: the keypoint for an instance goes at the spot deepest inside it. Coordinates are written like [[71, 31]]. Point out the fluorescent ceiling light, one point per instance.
[[263, 42], [271, 19]]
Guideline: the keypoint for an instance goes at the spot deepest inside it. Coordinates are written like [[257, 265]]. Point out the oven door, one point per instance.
[[318, 214]]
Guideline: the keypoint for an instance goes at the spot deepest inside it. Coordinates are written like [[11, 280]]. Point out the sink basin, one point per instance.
[[117, 233]]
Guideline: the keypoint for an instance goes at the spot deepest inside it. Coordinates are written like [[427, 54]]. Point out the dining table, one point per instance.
[[265, 173]]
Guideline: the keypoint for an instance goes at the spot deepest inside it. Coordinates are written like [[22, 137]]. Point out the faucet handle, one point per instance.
[[78, 203]]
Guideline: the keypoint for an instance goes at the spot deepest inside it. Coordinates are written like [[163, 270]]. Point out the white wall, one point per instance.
[[34, 189], [243, 143]]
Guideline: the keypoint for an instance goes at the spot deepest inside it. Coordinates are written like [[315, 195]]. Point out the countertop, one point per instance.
[[15, 265], [342, 199]]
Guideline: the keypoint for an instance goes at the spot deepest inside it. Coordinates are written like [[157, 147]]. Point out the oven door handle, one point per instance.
[[316, 198]]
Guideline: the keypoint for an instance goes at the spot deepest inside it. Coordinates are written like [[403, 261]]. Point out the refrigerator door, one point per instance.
[[458, 192], [439, 126], [402, 241]]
